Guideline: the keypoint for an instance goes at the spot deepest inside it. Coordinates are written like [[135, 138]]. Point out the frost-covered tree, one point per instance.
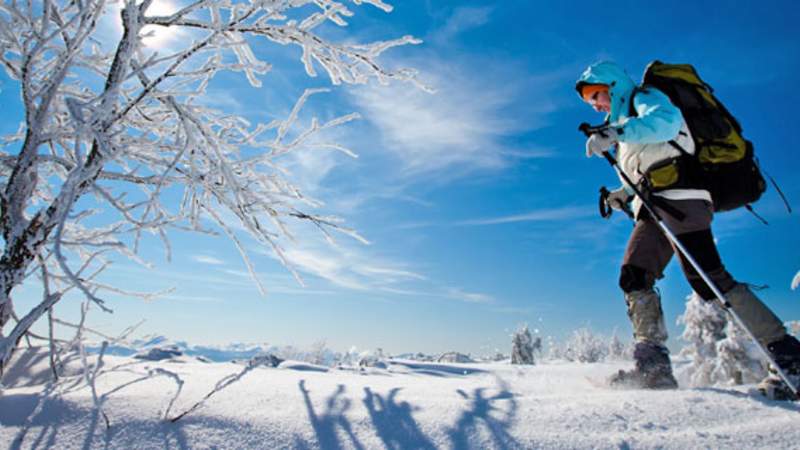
[[704, 326], [522, 346], [112, 127], [717, 350], [739, 361]]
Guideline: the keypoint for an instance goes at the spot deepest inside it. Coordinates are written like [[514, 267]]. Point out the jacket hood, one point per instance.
[[620, 86]]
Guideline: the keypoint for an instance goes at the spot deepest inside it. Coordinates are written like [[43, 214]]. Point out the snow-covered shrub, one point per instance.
[[374, 358], [455, 357], [497, 357], [618, 350], [320, 354], [522, 346], [585, 346], [717, 351], [554, 351], [738, 358], [793, 327]]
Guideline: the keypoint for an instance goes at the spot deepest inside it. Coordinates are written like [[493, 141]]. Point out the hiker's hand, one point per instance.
[[597, 143], [618, 199]]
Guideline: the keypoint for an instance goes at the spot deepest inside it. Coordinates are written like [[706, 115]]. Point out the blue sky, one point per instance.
[[478, 202]]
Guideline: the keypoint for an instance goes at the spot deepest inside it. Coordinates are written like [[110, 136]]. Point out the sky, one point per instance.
[[478, 203]]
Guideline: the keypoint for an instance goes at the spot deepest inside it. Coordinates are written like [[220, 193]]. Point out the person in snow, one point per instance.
[[642, 141]]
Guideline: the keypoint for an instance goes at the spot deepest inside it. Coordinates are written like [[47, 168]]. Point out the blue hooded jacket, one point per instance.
[[658, 120]]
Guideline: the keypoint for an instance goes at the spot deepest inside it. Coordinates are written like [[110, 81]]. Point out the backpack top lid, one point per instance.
[[716, 133]]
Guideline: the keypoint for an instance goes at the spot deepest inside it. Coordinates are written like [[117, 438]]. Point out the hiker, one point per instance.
[[649, 132]]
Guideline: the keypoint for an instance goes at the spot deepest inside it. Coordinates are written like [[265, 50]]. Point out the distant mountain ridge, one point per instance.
[[216, 353]]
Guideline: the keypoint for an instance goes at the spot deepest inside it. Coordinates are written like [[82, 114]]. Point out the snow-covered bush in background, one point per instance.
[[739, 360], [618, 350], [718, 352], [704, 326], [522, 346], [321, 355], [586, 346], [793, 327], [373, 358], [554, 351], [455, 357]]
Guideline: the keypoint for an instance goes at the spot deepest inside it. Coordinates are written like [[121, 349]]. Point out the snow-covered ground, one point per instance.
[[406, 405]]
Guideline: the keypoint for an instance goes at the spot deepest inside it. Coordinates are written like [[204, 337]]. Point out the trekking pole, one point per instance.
[[589, 130]]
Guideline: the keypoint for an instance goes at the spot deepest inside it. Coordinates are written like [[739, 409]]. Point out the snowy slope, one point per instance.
[[408, 405]]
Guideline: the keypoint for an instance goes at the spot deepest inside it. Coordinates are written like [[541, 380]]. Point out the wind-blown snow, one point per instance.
[[409, 404]]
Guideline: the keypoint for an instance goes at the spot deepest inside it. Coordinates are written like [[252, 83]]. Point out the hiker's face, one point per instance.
[[600, 101]]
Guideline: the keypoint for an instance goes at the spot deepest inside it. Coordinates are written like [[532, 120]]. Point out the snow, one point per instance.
[[410, 404]]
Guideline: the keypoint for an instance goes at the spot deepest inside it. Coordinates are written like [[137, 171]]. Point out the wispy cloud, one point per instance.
[[461, 20], [353, 268], [541, 215], [469, 297], [206, 259], [462, 126]]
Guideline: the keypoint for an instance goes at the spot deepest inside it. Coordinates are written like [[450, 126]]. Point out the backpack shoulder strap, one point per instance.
[[632, 113], [631, 107]]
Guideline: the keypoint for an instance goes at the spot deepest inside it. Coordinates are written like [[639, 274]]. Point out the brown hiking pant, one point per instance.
[[647, 255], [650, 251]]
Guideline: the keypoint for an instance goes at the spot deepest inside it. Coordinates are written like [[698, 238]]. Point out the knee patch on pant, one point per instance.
[[634, 278]]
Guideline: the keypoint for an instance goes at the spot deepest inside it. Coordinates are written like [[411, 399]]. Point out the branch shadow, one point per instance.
[[326, 423], [394, 423], [16, 410], [496, 413]]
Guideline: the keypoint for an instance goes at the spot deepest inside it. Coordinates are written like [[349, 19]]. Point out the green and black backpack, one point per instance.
[[723, 162]]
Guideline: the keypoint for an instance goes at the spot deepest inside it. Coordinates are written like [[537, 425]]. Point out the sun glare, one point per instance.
[[156, 37]]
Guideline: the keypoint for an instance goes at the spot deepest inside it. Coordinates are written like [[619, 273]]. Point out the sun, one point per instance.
[[158, 36]]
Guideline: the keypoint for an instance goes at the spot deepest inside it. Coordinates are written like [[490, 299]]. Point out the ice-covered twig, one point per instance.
[[91, 379], [178, 381], [222, 384]]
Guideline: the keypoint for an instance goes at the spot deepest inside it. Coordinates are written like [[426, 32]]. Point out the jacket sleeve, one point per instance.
[[658, 119]]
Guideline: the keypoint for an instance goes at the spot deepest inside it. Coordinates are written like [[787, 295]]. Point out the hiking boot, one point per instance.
[[786, 353], [653, 369]]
